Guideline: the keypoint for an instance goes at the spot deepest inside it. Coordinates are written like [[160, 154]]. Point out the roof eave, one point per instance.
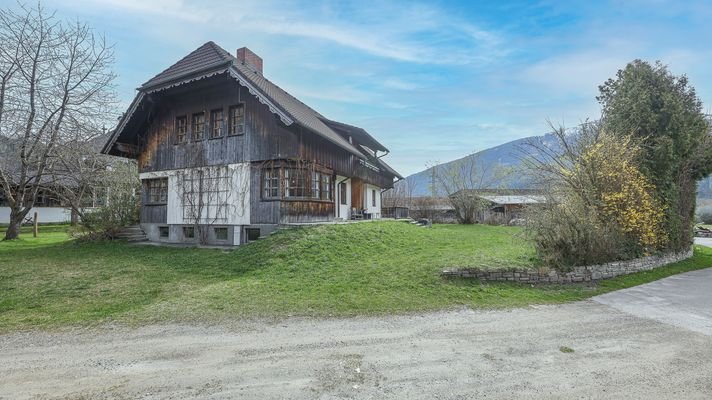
[[148, 86], [348, 127], [122, 124]]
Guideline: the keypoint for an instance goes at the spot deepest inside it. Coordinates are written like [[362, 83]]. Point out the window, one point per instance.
[[181, 128], [325, 187], [189, 232], [316, 181], [295, 184], [205, 194], [216, 123], [342, 193], [220, 233], [198, 126], [157, 191], [270, 183], [373, 198], [236, 122], [163, 231], [252, 234]]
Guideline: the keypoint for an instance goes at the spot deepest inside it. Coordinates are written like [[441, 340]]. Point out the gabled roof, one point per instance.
[[200, 59], [211, 59], [521, 199]]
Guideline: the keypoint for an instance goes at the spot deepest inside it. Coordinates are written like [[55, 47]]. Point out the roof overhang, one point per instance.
[[357, 133]]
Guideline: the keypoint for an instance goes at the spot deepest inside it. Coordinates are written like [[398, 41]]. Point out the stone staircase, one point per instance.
[[132, 233]]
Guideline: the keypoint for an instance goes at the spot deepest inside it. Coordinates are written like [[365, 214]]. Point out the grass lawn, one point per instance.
[[337, 270]]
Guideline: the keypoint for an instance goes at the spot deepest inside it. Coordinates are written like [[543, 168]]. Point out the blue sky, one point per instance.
[[434, 80]]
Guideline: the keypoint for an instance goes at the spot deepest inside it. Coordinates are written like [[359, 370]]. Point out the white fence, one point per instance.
[[44, 214]]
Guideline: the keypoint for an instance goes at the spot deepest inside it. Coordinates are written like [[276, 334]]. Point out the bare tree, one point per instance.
[[55, 85], [461, 179], [84, 179], [401, 195]]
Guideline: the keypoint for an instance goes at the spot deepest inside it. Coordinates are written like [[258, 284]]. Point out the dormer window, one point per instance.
[[236, 120], [198, 126]]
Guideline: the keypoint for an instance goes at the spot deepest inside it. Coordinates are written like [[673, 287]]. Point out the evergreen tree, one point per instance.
[[649, 103]]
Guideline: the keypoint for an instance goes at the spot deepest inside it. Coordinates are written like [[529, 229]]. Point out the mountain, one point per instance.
[[508, 157]]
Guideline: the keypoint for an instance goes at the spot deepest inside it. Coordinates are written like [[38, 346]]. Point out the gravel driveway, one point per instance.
[[445, 355]]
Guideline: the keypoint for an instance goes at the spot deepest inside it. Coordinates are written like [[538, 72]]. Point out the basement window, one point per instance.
[[220, 233], [198, 126], [163, 232], [252, 234], [189, 232]]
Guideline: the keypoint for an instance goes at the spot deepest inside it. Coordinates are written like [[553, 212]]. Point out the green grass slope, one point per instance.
[[336, 270]]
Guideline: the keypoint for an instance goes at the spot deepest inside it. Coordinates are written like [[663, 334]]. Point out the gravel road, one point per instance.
[[459, 354]]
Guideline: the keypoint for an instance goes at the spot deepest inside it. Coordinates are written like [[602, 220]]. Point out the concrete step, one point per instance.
[[132, 233], [130, 237]]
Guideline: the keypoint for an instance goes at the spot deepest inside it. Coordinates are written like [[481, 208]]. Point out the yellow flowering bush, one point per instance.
[[623, 193], [600, 206]]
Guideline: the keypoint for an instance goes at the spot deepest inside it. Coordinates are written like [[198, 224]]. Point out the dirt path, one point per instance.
[[447, 355]]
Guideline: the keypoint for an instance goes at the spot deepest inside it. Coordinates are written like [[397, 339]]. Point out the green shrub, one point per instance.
[[704, 215], [107, 221]]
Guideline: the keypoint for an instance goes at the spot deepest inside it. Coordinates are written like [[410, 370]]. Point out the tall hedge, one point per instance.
[[663, 111]]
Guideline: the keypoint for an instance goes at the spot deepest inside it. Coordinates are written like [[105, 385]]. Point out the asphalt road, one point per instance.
[[649, 342], [704, 241], [683, 300]]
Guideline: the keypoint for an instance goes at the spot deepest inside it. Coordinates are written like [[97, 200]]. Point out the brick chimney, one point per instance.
[[250, 59]]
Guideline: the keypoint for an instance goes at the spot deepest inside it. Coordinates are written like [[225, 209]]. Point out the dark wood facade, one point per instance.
[[264, 140]]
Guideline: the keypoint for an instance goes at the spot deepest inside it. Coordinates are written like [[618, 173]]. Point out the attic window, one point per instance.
[[198, 126], [216, 123], [181, 128], [236, 120]]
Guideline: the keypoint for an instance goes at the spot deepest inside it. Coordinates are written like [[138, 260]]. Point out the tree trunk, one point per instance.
[[13, 231]]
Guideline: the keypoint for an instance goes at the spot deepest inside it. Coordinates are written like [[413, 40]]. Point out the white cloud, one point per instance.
[[396, 31]]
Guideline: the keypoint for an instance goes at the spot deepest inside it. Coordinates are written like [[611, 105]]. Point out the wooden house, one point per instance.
[[224, 151]]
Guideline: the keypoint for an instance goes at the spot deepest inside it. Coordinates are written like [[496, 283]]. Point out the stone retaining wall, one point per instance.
[[578, 274]]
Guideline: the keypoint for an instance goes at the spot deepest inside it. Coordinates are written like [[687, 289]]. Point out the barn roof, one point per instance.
[[211, 59], [509, 200]]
